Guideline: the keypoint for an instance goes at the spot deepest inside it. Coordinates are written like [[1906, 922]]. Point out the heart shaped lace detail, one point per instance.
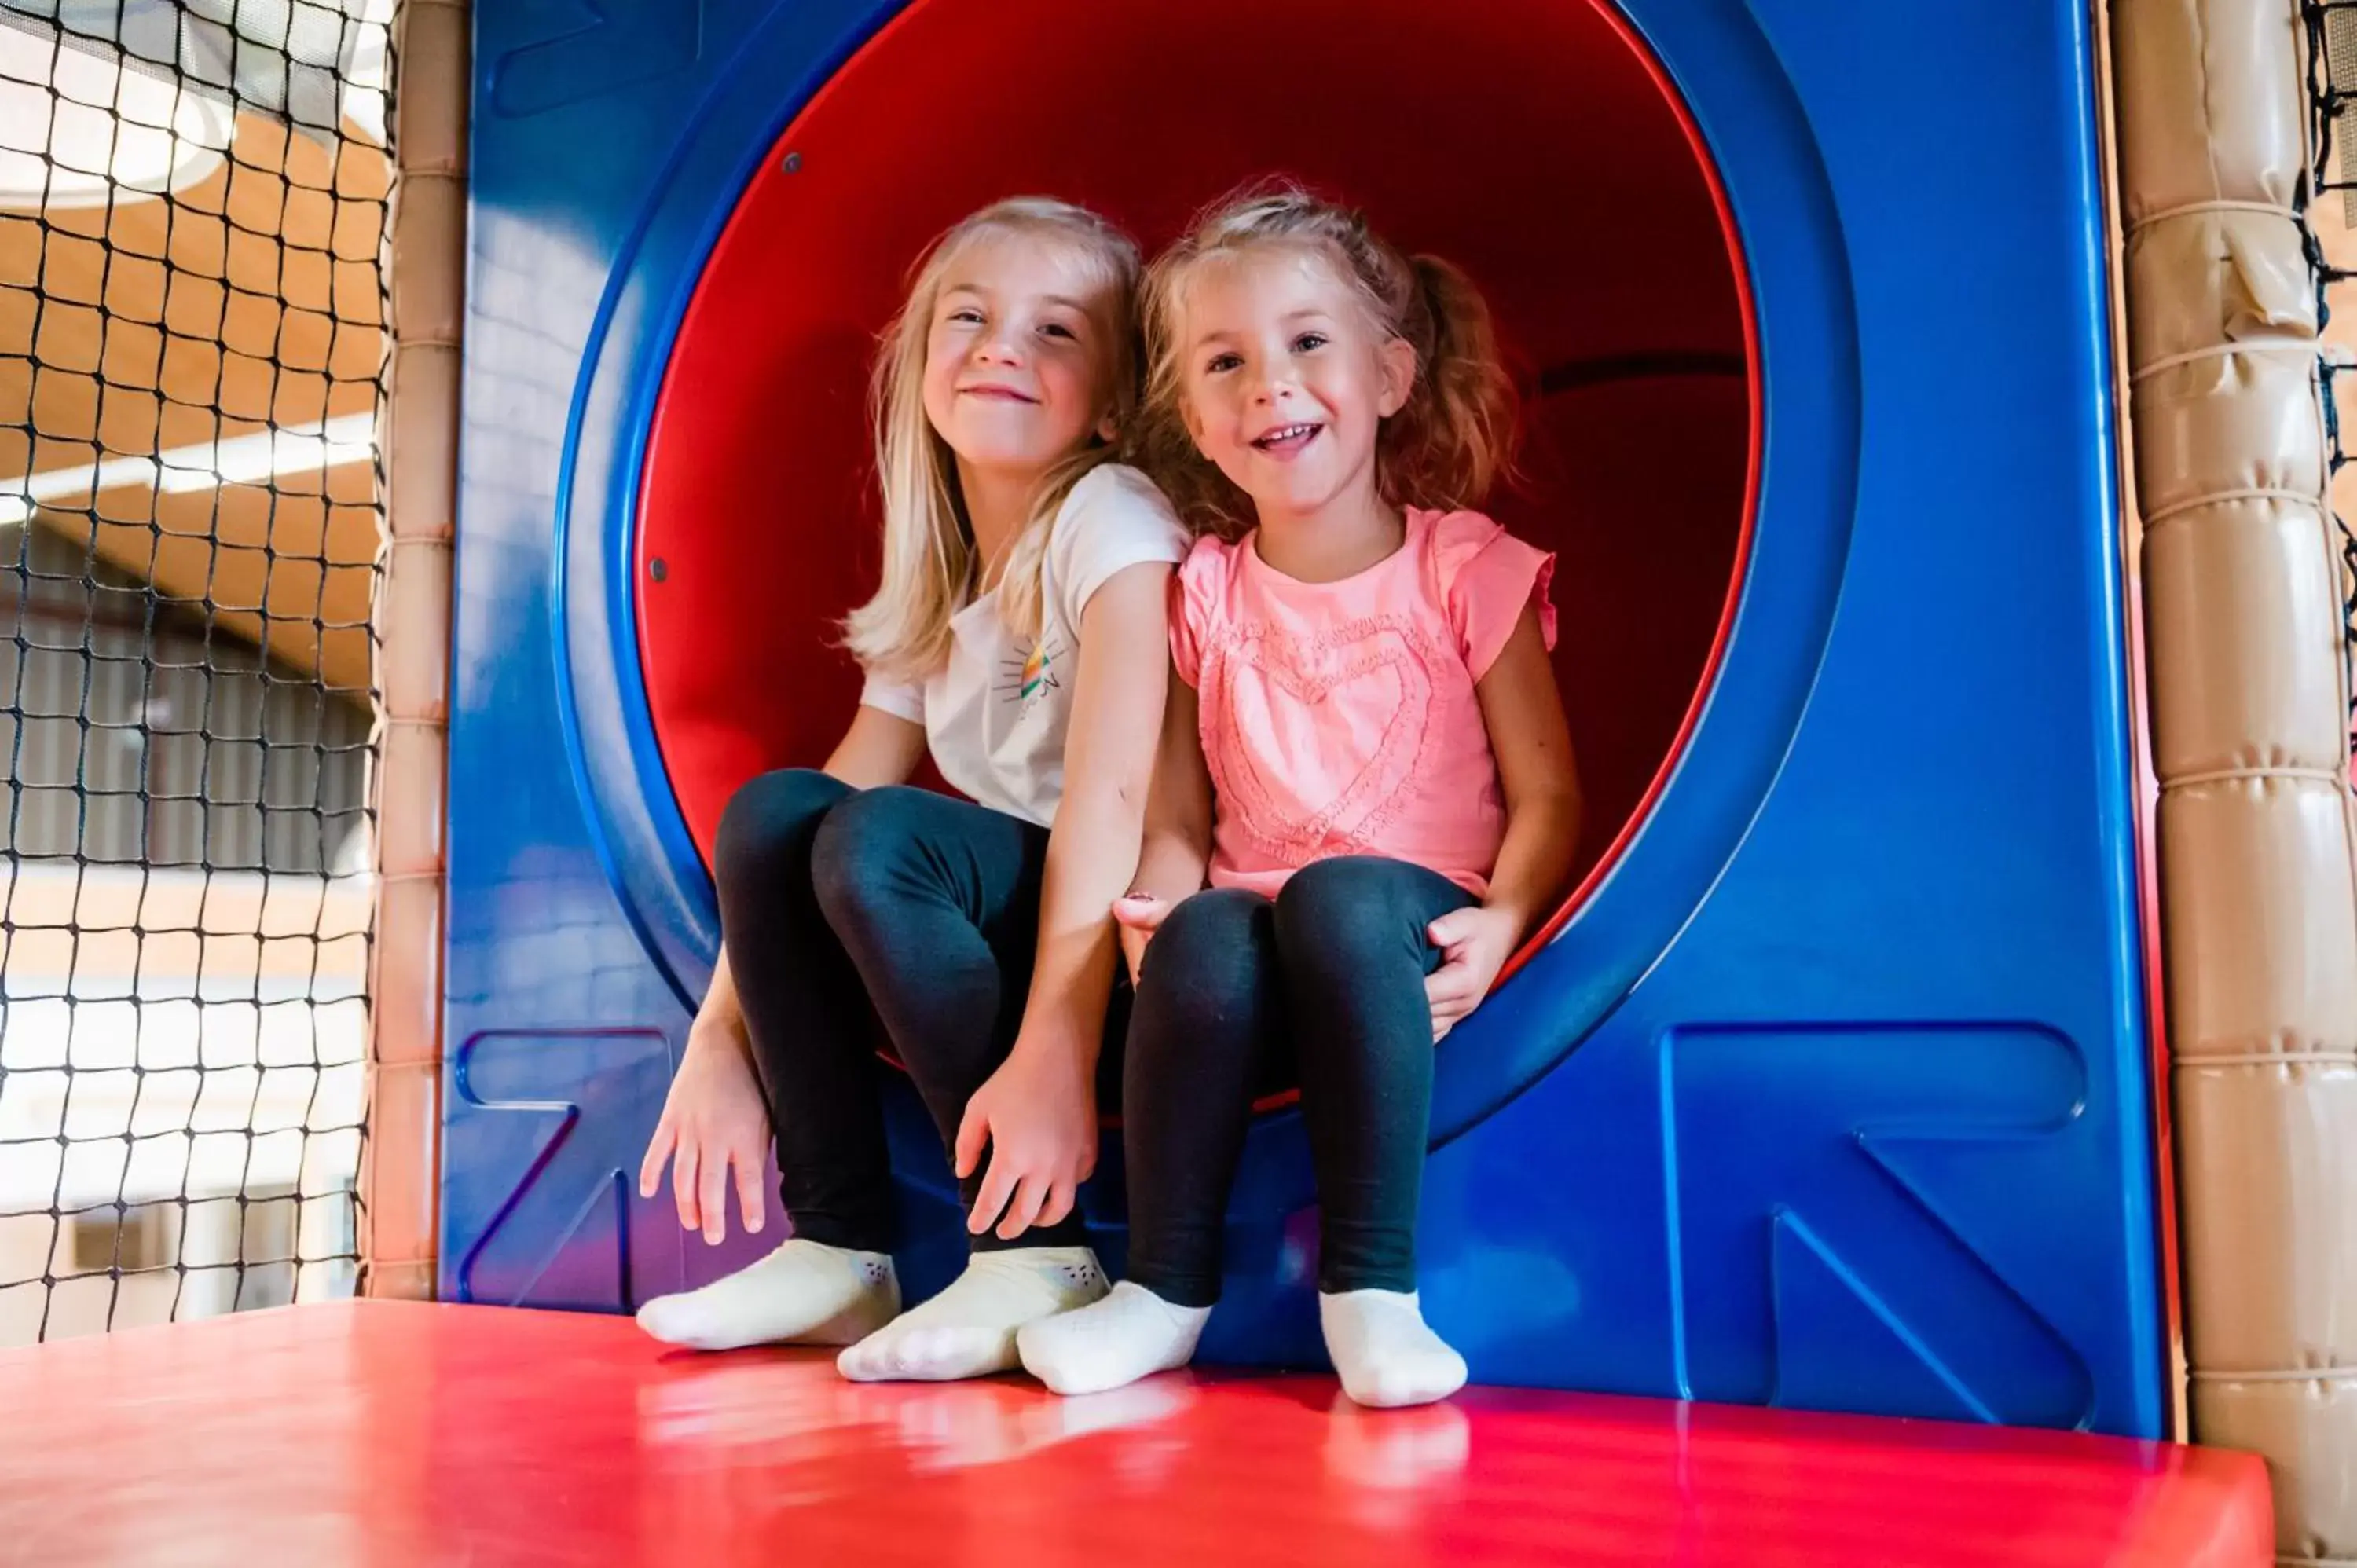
[[1323, 803]]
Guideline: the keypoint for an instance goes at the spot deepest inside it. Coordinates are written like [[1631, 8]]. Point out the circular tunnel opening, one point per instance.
[[1534, 142]]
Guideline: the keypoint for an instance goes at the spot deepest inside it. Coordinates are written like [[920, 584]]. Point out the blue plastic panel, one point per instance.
[[1857, 1112]]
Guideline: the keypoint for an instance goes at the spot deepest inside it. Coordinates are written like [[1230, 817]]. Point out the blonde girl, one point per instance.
[[1019, 636]]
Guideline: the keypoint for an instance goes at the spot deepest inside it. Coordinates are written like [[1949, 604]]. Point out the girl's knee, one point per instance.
[[866, 845], [1205, 964], [1356, 905], [1205, 935], [768, 823], [1203, 988]]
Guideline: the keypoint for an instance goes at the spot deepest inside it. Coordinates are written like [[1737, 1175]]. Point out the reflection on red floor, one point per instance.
[[382, 1433]]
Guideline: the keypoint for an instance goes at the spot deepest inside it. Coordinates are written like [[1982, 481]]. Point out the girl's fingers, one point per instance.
[[682, 1185], [749, 1200], [712, 1196], [1059, 1204], [1140, 911], [658, 1150], [1028, 1197], [998, 1186], [1447, 930], [1447, 1013], [973, 1130], [1449, 985]]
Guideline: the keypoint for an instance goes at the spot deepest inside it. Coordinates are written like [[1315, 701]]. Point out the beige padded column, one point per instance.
[[2249, 715], [428, 267]]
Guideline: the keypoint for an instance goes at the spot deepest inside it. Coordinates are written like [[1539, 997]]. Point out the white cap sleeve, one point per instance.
[[900, 699], [1115, 518]]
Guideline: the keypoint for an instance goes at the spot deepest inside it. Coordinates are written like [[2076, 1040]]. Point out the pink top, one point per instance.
[[1340, 718]]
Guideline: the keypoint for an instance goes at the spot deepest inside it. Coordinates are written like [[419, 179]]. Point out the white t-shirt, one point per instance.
[[995, 714]]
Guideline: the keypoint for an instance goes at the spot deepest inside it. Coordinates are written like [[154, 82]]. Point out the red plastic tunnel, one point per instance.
[[1531, 141]]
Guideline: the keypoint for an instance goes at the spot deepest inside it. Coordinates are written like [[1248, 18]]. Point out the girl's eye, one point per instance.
[[1057, 329], [1310, 342], [1221, 363], [965, 314]]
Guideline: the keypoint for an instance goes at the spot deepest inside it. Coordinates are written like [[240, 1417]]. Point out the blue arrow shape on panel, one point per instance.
[[550, 1126], [1816, 1266]]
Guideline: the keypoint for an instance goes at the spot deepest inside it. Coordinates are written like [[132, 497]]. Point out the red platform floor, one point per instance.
[[381, 1434]]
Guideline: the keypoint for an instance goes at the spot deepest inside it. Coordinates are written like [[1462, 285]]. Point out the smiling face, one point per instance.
[[1017, 354], [1287, 378]]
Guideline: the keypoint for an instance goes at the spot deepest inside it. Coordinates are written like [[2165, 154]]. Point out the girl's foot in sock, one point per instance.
[[805, 1293], [1382, 1351], [968, 1330], [1131, 1333]]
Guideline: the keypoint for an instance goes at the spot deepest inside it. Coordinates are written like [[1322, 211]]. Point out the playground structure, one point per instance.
[[1959, 1015], [1869, 954]]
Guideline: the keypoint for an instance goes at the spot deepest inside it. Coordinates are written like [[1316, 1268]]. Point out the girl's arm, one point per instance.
[[1178, 847], [714, 1119], [1038, 1113], [1523, 714], [879, 749]]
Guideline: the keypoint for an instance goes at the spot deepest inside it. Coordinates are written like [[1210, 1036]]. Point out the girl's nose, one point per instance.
[[1273, 389]]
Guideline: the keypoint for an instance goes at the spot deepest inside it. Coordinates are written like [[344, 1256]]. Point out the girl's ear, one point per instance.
[[1398, 357], [1107, 431]]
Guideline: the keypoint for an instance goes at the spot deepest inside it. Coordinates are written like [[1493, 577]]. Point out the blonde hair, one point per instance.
[[1449, 444], [931, 571]]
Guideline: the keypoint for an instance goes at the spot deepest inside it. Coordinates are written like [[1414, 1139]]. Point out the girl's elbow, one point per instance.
[[1569, 808], [1118, 802], [1131, 790], [1570, 799], [1556, 804]]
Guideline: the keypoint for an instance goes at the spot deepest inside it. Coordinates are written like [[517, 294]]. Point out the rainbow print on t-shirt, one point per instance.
[[1034, 676]]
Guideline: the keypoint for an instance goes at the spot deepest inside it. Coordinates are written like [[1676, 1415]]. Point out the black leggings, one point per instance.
[[1327, 981], [841, 908]]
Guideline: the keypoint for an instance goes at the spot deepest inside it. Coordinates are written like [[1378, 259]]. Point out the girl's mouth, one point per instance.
[[1287, 439]]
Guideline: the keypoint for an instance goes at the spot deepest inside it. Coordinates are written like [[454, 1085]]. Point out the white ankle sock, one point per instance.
[[1382, 1351], [1131, 1333], [805, 1292], [968, 1330]]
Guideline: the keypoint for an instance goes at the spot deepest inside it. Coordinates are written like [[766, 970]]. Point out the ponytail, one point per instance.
[[1454, 439]]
